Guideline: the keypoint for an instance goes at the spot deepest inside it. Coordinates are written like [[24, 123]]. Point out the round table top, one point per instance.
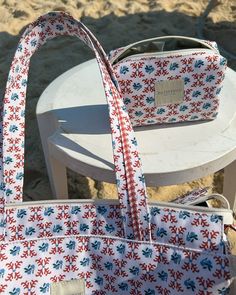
[[170, 153]]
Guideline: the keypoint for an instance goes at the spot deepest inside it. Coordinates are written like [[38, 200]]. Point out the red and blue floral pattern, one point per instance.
[[202, 73], [111, 266], [125, 248], [168, 226]]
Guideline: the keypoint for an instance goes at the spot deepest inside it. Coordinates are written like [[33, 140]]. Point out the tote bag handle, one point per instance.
[[130, 181]]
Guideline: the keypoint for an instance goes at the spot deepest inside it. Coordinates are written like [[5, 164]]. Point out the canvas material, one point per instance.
[[111, 266], [174, 226], [129, 248], [202, 73]]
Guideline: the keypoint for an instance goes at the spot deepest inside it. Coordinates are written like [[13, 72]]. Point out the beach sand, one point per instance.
[[115, 23]]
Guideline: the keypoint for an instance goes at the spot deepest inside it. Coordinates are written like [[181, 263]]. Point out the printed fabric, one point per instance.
[[202, 72], [127, 247]]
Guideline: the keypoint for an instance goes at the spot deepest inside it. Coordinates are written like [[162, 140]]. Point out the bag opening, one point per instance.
[[161, 45]]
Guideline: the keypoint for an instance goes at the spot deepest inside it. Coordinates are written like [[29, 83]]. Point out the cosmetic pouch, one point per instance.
[[169, 79]]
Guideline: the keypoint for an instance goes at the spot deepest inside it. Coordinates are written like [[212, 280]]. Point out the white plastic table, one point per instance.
[[73, 121]]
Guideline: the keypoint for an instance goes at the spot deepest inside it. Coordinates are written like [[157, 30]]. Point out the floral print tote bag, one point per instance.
[[129, 246]]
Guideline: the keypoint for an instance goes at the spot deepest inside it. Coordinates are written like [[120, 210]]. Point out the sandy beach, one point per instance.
[[115, 23]]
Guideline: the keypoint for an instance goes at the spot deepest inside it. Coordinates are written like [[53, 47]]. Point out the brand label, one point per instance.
[[169, 91], [73, 287]]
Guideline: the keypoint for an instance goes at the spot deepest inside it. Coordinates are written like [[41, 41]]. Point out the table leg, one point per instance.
[[229, 189], [58, 178], [56, 170]]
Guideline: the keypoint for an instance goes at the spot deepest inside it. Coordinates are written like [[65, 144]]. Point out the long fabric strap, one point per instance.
[[130, 181]]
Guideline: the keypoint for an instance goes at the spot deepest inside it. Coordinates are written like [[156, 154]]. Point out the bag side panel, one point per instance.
[[110, 266], [175, 227]]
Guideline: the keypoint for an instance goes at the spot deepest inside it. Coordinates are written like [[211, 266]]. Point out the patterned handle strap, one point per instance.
[[130, 180]]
